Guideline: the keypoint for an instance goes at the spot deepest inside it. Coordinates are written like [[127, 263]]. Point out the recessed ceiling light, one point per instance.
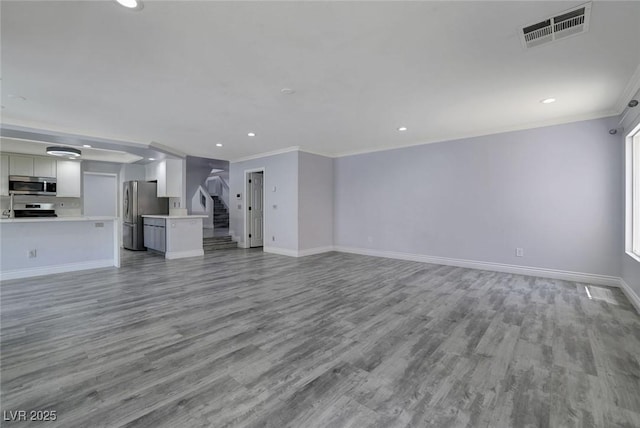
[[152, 158], [218, 145], [251, 134], [87, 146], [131, 4], [288, 91], [548, 101], [63, 151], [402, 128]]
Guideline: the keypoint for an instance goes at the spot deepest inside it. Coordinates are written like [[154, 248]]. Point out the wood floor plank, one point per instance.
[[242, 338]]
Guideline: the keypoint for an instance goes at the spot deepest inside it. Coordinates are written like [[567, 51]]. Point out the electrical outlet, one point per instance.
[[33, 253], [519, 252], [273, 238]]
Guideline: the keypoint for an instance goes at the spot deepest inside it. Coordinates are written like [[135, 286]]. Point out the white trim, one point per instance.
[[611, 281], [629, 91], [281, 251], [170, 255], [316, 153], [298, 253], [245, 211], [316, 250], [49, 270], [631, 294], [632, 255], [266, 154], [485, 133]]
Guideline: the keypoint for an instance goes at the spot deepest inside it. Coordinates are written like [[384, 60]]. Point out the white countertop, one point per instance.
[[54, 219], [174, 216]]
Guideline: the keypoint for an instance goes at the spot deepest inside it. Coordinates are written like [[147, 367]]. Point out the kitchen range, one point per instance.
[[34, 209]]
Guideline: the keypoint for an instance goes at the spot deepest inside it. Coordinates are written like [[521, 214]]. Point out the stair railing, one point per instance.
[[202, 203], [218, 186]]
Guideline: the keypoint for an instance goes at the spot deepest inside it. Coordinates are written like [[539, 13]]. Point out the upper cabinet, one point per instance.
[[32, 166], [44, 167], [66, 172], [21, 165], [4, 175], [68, 183], [168, 174]]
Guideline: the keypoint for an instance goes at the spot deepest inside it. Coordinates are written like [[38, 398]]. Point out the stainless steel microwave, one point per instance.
[[23, 185]]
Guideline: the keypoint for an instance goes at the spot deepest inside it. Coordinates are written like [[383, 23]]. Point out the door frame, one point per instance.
[[245, 211]]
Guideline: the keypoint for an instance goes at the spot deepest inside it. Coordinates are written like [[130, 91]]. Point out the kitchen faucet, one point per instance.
[[9, 213]]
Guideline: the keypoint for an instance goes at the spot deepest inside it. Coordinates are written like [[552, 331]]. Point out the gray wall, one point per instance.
[[315, 224], [280, 222], [554, 191]]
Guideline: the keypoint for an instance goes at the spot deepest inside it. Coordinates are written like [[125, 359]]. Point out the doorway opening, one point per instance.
[[254, 208]]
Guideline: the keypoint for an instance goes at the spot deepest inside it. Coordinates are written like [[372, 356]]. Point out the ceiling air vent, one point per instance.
[[569, 23]]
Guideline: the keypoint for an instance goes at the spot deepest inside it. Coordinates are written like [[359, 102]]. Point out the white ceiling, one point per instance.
[[12, 145], [188, 75]]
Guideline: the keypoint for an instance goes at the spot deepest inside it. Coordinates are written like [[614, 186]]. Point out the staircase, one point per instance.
[[220, 214], [218, 243]]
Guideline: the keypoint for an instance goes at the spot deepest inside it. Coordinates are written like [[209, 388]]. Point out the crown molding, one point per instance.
[[265, 154], [485, 133], [633, 86]]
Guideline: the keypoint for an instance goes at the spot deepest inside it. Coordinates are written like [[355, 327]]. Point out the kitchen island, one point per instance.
[[47, 245], [177, 236]]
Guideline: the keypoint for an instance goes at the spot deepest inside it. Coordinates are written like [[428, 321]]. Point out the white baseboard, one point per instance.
[[183, 254], [631, 294], [48, 270], [317, 250], [281, 251], [589, 278], [297, 253]]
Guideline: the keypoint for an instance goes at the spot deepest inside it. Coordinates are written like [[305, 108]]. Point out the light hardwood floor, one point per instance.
[[243, 338]]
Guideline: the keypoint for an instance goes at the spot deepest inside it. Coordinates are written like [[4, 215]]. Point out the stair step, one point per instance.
[[220, 247], [217, 239]]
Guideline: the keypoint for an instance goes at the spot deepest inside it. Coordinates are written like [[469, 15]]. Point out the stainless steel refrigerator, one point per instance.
[[139, 197]]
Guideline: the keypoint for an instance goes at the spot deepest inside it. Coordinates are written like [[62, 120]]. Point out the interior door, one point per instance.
[[256, 209], [100, 195]]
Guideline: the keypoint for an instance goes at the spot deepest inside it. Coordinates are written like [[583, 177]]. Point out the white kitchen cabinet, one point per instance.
[[68, 179], [172, 186], [21, 165], [4, 175], [168, 174], [44, 167]]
